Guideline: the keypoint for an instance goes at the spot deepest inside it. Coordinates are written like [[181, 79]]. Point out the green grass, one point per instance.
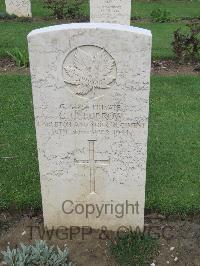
[[134, 249], [38, 9], [13, 34], [162, 34], [173, 183], [2, 6], [140, 8], [178, 9], [19, 176]]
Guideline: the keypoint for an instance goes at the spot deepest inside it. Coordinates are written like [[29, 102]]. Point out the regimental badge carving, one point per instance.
[[89, 71]]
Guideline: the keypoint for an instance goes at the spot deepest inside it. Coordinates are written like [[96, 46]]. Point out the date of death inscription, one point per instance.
[[91, 119]]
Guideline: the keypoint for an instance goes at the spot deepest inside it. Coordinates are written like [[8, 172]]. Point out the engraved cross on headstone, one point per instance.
[[92, 163]]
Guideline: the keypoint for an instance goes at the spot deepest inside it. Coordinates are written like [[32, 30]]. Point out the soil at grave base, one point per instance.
[[7, 66], [159, 67], [172, 68], [179, 239]]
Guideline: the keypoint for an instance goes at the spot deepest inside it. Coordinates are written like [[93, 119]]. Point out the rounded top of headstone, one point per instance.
[[104, 26]]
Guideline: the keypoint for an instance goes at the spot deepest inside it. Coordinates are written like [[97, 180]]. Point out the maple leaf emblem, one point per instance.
[[90, 72]]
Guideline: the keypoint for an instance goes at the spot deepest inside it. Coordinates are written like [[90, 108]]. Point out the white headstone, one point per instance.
[[110, 11], [20, 8], [91, 101]]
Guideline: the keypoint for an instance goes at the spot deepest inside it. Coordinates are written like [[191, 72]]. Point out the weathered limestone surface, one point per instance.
[[91, 102], [20, 8], [110, 11]]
